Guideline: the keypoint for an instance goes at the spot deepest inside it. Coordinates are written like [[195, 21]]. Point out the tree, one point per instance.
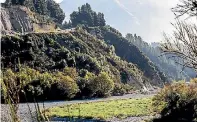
[[176, 103], [102, 85], [64, 88], [182, 46], [55, 11], [41, 7], [86, 16], [188, 7], [164, 64]]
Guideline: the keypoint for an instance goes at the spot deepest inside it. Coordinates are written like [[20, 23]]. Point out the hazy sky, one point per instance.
[[147, 18]]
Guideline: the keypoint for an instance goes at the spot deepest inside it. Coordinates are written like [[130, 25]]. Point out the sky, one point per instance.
[[147, 18]]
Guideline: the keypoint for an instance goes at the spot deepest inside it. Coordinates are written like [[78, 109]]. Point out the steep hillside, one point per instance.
[[129, 52], [19, 19], [94, 23], [163, 62], [43, 7], [51, 51], [49, 63]]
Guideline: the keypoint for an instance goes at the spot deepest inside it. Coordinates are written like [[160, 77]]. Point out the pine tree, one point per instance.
[[86, 16]]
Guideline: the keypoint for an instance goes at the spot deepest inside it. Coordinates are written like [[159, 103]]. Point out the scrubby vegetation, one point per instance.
[[104, 110], [29, 84], [129, 52], [50, 51], [94, 60], [86, 18], [177, 103], [66, 66]]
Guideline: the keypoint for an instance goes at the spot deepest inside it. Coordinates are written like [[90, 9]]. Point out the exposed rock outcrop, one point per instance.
[[19, 19]]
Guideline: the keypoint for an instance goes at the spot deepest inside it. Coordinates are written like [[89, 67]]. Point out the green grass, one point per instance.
[[104, 110]]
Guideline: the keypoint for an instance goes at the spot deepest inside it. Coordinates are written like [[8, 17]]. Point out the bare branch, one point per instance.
[[182, 46], [188, 7]]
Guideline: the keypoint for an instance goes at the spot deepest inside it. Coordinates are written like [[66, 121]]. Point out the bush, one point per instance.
[[194, 80], [29, 85], [84, 84], [118, 90], [121, 89], [64, 87], [102, 85], [33, 91], [85, 91], [39, 87], [26, 75], [72, 72], [177, 103]]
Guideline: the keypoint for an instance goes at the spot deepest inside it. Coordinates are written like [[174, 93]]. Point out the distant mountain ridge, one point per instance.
[[165, 64]]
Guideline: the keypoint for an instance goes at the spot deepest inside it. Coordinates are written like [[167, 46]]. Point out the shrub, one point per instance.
[[46, 79], [33, 91], [194, 80], [72, 72], [102, 85], [84, 84], [128, 88], [85, 91], [26, 75], [64, 87], [118, 90], [39, 87], [121, 89], [177, 103]]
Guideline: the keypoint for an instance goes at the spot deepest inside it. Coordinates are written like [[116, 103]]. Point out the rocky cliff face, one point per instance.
[[16, 19], [19, 19]]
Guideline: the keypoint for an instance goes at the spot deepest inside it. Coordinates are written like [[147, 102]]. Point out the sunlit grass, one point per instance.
[[104, 110]]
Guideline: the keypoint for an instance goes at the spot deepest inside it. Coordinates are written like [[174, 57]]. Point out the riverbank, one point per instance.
[[25, 114]]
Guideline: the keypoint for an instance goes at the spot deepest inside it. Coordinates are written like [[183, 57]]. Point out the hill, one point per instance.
[[129, 52], [90, 59], [163, 62], [95, 25]]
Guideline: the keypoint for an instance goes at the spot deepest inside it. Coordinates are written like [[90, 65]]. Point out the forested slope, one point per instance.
[[163, 62], [91, 59]]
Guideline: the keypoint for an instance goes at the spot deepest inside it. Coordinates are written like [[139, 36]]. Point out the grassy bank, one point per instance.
[[104, 110]]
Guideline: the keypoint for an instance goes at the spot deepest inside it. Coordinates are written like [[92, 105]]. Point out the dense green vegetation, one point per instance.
[[104, 110], [50, 53], [163, 62], [56, 85], [43, 7], [123, 47], [86, 16], [129, 52], [95, 60]]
